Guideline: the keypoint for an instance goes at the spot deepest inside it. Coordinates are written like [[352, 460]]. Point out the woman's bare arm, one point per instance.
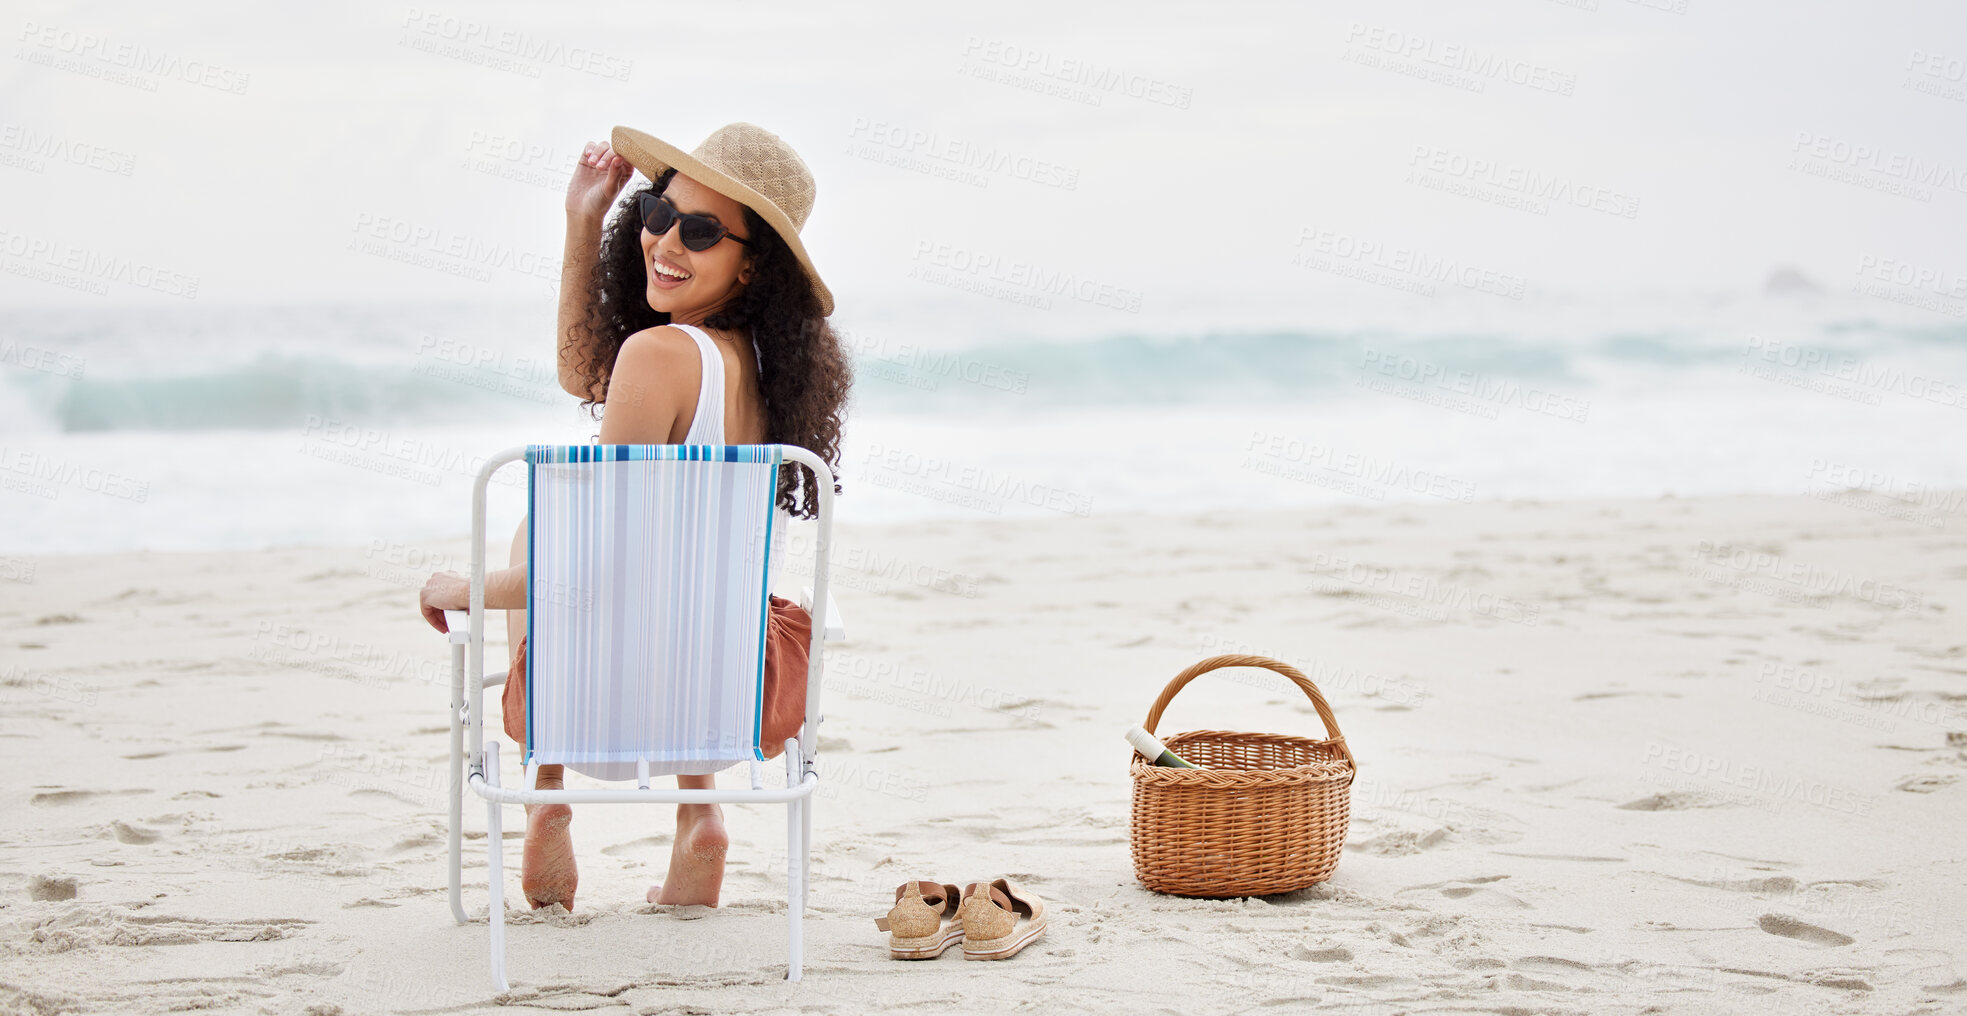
[[505, 589], [598, 177], [576, 266]]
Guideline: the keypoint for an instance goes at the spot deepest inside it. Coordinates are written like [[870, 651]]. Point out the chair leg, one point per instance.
[[795, 891], [795, 867], [457, 783], [495, 864], [805, 837]]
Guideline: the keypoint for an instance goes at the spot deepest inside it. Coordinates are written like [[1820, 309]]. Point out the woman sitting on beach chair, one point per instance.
[[696, 318]]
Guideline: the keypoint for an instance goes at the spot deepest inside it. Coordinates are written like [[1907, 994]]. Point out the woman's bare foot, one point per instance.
[[549, 875], [696, 860]]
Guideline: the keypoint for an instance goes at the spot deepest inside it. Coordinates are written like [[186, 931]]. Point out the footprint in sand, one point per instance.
[[1675, 800], [50, 888], [58, 797], [1562, 857], [414, 842], [1400, 842], [85, 927], [127, 833], [1488, 897], [1926, 784], [1790, 927], [161, 752], [1551, 965], [1476, 890], [329, 852], [1774, 884], [1929, 967], [647, 844]]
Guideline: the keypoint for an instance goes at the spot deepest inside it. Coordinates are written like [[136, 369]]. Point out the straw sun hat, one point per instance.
[[749, 165]]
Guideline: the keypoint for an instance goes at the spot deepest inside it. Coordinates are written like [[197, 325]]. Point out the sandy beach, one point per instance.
[[1662, 756]]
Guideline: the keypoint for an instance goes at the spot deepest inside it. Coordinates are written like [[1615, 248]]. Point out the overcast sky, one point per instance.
[[260, 152]]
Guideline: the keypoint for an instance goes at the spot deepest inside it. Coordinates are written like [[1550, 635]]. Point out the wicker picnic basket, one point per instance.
[[1262, 813]]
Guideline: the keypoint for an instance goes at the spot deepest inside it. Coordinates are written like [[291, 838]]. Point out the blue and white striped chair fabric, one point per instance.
[[646, 608]]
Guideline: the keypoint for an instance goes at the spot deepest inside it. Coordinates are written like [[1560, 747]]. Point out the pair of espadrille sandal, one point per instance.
[[929, 917]]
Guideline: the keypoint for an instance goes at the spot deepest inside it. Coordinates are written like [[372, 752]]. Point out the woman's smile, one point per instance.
[[666, 274]]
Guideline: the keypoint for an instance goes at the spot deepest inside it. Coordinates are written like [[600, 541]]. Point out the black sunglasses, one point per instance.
[[699, 232]]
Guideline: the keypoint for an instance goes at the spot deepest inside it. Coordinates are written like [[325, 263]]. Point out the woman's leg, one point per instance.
[[696, 858], [548, 875]]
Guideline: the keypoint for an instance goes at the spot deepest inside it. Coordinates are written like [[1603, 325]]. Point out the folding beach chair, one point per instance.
[[646, 607]]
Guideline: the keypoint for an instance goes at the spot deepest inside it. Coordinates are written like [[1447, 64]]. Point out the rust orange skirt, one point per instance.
[[788, 635]]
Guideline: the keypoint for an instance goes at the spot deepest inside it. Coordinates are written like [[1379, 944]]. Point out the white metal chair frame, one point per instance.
[[480, 766]]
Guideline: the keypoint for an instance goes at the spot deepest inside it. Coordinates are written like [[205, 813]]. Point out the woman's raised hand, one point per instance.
[[598, 177]]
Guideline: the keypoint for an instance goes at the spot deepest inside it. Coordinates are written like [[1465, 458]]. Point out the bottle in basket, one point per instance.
[[1156, 752]]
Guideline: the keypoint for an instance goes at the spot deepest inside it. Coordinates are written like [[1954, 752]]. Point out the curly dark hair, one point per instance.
[[803, 368]]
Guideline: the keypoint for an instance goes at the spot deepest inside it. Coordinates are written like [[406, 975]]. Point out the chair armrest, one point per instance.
[[836, 628], [459, 621]]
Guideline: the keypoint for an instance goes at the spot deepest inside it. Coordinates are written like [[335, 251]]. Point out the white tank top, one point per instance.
[[707, 426]]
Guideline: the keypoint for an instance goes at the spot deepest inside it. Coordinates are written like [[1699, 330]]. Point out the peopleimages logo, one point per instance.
[[1479, 65], [28, 357], [1873, 168], [1937, 74], [1092, 79], [1776, 785], [437, 246], [90, 269], [391, 454], [33, 150], [933, 475], [122, 63], [1534, 185], [903, 142], [1925, 278], [45, 476], [1842, 367], [1796, 581], [1358, 465], [1345, 254], [1418, 593], [505, 48], [1422, 373], [940, 262]]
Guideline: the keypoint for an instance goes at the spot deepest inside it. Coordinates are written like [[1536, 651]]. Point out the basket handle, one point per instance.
[[1240, 660]]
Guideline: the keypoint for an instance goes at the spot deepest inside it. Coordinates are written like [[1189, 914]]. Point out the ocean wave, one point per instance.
[[69, 386], [272, 391]]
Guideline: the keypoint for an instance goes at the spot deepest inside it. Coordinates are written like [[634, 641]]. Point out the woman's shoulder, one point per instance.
[[660, 336], [660, 344], [676, 339], [662, 355]]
